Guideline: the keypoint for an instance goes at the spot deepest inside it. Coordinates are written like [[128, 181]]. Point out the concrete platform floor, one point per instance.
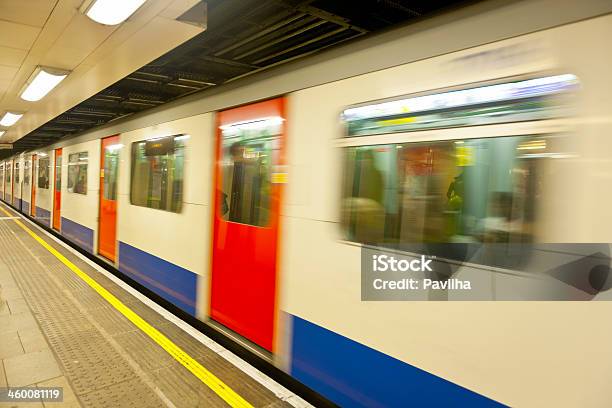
[[55, 330]]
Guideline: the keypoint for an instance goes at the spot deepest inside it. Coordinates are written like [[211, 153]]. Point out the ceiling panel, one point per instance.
[[4, 84], [79, 39], [7, 73], [12, 56], [97, 55], [15, 35], [27, 12]]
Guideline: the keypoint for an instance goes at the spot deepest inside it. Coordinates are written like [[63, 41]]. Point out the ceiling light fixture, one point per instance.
[[9, 119], [42, 81], [2, 132], [111, 12]]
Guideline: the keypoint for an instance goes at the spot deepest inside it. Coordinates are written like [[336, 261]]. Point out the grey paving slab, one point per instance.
[[32, 340], [70, 399], [31, 368], [21, 405], [11, 293], [2, 376], [4, 309], [18, 306], [177, 385], [114, 323], [10, 345], [127, 394], [13, 322], [149, 356], [6, 279]]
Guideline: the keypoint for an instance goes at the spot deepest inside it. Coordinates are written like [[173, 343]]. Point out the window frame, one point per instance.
[[546, 127], [460, 87], [77, 163], [16, 173], [27, 176], [133, 146], [39, 161], [273, 167]]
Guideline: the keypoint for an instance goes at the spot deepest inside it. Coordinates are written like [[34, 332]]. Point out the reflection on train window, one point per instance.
[[111, 169], [467, 191], [77, 173], [17, 173], [26, 172], [157, 173], [8, 173], [248, 151], [58, 173], [43, 173]]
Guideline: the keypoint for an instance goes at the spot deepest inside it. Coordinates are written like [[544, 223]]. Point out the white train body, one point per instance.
[[365, 353]]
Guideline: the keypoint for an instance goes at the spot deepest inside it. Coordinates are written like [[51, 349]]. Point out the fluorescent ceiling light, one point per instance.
[[42, 81], [112, 12], [9, 119]]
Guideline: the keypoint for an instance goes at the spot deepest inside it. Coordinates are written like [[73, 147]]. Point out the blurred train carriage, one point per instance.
[[248, 207]]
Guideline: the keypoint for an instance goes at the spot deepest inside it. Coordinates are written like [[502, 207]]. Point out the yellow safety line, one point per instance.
[[208, 378]]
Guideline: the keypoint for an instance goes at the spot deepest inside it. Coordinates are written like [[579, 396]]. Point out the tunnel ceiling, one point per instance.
[[243, 37]]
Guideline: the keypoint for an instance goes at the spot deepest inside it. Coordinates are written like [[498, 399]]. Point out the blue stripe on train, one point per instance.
[[77, 233], [44, 216], [17, 203], [173, 283], [8, 198], [353, 375], [25, 207]]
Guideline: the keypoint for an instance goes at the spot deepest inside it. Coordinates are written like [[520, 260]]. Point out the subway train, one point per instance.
[[249, 205]]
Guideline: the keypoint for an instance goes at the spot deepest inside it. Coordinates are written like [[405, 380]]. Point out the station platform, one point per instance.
[[65, 322]]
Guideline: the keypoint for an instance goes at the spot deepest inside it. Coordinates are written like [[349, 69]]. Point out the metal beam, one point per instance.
[[259, 34], [280, 39], [301, 45]]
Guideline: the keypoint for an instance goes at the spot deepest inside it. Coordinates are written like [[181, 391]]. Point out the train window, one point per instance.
[[521, 100], [463, 191], [8, 173], [43, 172], [157, 173], [26, 172], [77, 173], [58, 173], [17, 173], [111, 168], [248, 150]]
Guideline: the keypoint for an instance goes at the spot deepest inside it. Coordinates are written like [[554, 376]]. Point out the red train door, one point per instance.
[[34, 186], [109, 170], [57, 190], [250, 153]]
